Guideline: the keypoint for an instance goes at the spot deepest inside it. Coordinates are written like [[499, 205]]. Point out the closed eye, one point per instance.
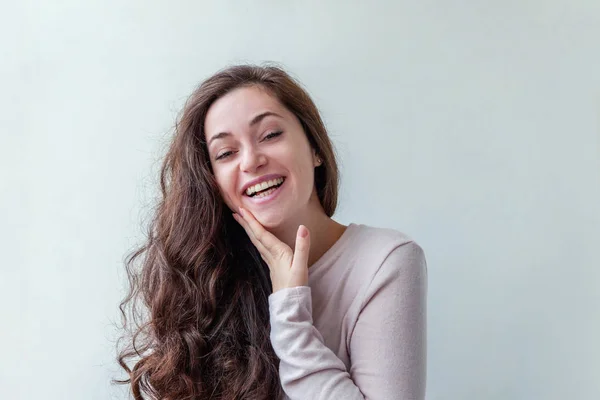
[[224, 155], [270, 136], [273, 135]]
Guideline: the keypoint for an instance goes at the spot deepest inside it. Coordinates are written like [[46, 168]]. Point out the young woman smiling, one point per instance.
[[247, 288]]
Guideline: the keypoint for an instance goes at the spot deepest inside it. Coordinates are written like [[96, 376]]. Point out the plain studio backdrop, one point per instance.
[[471, 126]]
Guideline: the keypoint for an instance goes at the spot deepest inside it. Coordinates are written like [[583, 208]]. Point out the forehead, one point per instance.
[[236, 109]]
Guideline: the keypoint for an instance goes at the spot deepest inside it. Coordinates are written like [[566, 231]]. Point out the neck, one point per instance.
[[324, 231]]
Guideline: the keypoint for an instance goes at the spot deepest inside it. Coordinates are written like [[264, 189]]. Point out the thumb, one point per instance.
[[302, 249]]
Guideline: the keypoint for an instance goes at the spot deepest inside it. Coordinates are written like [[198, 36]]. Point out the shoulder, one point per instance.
[[384, 244], [375, 235], [388, 257]]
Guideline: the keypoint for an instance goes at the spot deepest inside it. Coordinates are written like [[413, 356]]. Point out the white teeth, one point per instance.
[[263, 185], [266, 193]]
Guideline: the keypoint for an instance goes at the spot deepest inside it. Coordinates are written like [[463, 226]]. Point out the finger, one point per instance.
[[261, 249], [247, 228], [268, 240], [302, 249]]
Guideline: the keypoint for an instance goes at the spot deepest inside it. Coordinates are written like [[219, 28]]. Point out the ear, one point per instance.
[[317, 160]]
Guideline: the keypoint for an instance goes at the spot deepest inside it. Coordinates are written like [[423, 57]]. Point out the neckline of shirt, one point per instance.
[[335, 248]]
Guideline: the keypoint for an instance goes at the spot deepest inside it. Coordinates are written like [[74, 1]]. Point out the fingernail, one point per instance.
[[303, 231]]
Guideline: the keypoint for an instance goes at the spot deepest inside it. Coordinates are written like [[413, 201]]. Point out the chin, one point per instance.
[[270, 218], [270, 222]]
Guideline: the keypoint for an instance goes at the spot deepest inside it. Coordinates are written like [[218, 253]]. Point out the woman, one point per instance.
[[250, 289]]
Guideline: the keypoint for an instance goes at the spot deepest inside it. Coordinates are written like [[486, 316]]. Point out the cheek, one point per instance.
[[302, 162], [304, 174], [299, 155], [226, 188]]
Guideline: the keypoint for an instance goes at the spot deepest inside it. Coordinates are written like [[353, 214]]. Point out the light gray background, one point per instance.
[[472, 126]]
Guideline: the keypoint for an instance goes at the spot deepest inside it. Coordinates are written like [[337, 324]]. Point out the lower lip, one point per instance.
[[266, 199]]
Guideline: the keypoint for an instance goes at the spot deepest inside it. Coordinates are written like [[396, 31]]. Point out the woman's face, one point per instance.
[[252, 138]]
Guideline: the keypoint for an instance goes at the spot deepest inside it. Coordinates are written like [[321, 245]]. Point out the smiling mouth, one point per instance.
[[265, 192]]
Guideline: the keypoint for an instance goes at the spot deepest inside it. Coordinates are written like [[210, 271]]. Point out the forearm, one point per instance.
[[308, 368]]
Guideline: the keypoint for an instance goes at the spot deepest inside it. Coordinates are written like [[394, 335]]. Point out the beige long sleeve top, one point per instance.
[[358, 331]]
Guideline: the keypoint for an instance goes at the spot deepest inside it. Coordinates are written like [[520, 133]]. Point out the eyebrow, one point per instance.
[[262, 116], [253, 122]]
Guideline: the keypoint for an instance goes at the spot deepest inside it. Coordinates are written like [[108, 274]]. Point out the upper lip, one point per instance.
[[262, 179]]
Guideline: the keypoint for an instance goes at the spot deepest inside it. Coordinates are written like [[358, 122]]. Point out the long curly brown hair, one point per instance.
[[196, 317]]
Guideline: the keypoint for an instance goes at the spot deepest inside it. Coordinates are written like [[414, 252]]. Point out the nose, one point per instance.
[[252, 159]]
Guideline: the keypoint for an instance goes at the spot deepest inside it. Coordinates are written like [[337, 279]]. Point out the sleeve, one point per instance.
[[387, 346]]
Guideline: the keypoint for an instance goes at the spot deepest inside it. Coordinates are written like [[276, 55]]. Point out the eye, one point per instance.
[[273, 135], [224, 155]]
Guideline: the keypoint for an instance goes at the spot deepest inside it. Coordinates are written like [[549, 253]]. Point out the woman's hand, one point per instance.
[[288, 269]]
